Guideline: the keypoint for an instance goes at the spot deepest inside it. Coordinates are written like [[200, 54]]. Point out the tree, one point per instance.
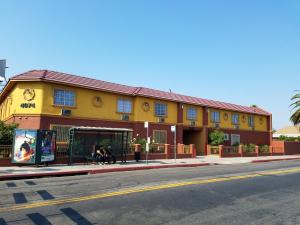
[[7, 133], [295, 118], [216, 137]]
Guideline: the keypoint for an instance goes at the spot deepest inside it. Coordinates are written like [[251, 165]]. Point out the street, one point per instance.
[[257, 193]]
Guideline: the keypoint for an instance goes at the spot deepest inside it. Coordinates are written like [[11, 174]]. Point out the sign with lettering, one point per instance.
[[27, 105]]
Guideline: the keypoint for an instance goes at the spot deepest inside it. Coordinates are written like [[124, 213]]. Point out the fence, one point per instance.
[[5, 151], [239, 151]]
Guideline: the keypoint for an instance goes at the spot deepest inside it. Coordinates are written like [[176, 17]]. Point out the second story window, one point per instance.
[[124, 105], [192, 114], [235, 118], [215, 117], [160, 109], [64, 97], [251, 121]]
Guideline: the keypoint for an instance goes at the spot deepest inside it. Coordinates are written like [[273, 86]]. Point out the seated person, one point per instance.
[[109, 156], [100, 155]]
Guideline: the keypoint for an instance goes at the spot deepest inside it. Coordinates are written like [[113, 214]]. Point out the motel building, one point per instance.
[[42, 99]]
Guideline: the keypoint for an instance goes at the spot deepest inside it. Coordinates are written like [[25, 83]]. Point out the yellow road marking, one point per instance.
[[144, 189]]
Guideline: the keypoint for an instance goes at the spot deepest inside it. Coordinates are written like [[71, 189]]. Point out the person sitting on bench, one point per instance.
[[109, 156], [100, 155]]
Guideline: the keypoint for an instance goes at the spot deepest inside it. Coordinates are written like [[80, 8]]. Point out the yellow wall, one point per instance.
[[142, 115], [12, 104], [199, 120], [85, 108], [259, 124]]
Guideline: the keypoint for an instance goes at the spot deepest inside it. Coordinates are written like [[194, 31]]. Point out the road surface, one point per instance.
[[262, 193]]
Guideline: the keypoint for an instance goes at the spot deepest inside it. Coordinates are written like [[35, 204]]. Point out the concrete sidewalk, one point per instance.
[[23, 172]]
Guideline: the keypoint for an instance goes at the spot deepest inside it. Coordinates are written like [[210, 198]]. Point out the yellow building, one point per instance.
[[42, 99]]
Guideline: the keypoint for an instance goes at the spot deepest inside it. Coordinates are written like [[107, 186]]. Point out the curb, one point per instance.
[[96, 171], [93, 171], [273, 160]]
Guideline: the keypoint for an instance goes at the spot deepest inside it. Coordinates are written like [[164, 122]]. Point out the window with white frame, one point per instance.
[[215, 116], [124, 105], [160, 136], [226, 137], [64, 97], [62, 132], [251, 121], [235, 118], [160, 109], [192, 114]]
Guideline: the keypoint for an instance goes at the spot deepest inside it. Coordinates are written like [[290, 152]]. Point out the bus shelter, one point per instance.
[[83, 142]]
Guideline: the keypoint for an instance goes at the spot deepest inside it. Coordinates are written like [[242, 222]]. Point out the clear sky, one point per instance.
[[243, 52]]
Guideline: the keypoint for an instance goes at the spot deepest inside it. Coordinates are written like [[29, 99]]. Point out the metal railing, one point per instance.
[[214, 150], [5, 151], [230, 149]]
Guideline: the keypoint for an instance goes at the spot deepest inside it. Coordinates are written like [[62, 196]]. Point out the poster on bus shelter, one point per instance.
[[48, 145], [24, 150]]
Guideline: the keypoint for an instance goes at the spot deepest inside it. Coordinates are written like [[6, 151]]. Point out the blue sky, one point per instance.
[[243, 52]]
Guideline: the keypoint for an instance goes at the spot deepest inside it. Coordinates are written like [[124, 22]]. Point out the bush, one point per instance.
[[216, 138], [264, 149], [7, 133], [142, 142], [286, 138], [250, 148]]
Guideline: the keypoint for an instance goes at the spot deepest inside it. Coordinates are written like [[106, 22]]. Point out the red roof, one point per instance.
[[68, 79]]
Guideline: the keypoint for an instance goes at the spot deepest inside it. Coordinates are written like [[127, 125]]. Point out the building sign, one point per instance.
[[27, 105], [28, 94], [24, 149]]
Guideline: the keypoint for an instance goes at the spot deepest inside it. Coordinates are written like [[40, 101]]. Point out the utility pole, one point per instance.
[[2, 73]]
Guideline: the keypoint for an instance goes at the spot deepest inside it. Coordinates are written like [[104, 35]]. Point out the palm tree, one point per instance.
[[295, 118]]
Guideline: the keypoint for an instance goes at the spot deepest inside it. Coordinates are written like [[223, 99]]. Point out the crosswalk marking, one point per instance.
[[75, 216], [38, 219], [2, 222], [19, 198], [31, 183], [45, 195], [11, 184]]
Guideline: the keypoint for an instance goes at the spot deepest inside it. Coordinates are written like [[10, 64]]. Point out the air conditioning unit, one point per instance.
[[193, 123], [236, 127], [226, 137], [66, 112], [125, 117], [217, 125], [161, 120]]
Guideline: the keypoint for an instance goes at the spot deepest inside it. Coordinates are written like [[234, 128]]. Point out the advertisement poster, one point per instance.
[[48, 146], [25, 146]]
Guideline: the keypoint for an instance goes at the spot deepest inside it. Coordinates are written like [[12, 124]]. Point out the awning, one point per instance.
[[82, 128]]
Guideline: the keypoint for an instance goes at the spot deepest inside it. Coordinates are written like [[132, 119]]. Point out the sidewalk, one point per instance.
[[23, 172]]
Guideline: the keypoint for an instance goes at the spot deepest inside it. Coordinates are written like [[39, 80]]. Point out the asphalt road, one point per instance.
[[263, 193]]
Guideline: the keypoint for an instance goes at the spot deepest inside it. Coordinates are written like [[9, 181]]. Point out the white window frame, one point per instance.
[[251, 121], [215, 116], [235, 119], [226, 137], [62, 97], [192, 113], [124, 105], [157, 134], [159, 108]]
